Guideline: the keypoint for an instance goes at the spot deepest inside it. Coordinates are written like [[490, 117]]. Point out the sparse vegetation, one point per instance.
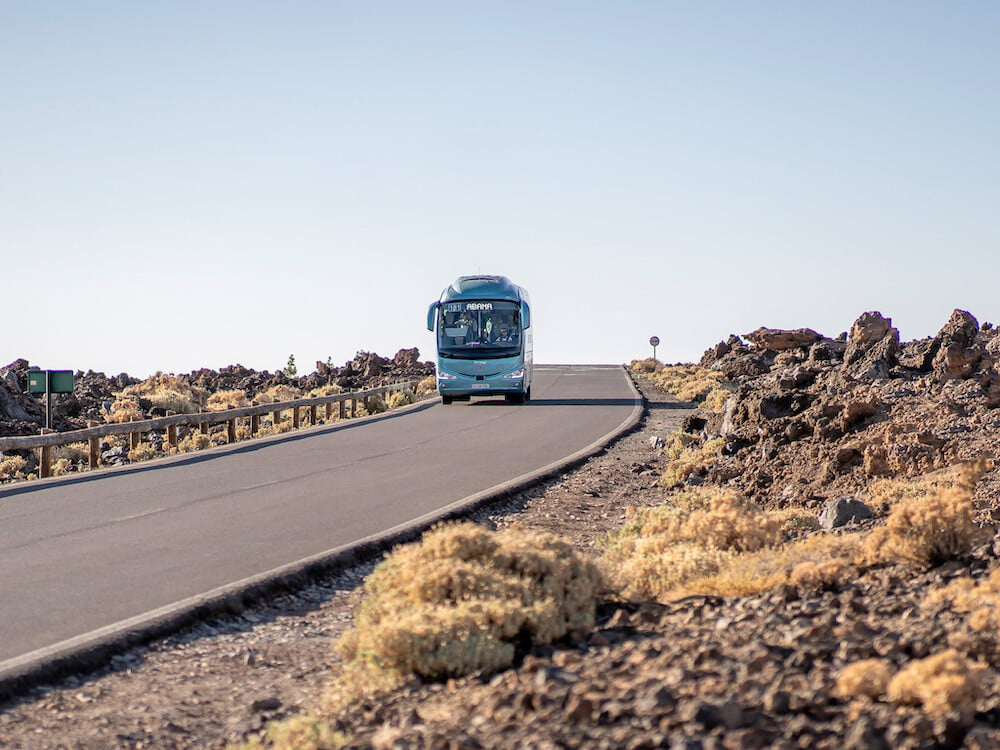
[[460, 600], [168, 393], [941, 684], [303, 732], [930, 526], [227, 399], [687, 382], [867, 679], [12, 467], [689, 456]]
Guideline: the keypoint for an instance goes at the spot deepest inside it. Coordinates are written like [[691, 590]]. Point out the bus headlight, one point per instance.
[[446, 376], [516, 375]]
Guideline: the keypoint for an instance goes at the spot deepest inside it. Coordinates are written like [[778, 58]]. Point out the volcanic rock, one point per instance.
[[872, 347], [778, 339]]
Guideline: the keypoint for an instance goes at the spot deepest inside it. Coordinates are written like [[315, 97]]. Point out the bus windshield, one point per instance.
[[485, 329]]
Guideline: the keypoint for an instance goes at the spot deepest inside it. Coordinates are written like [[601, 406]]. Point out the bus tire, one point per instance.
[[446, 400], [514, 398]]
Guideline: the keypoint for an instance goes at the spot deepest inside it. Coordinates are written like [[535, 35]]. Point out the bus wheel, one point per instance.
[[514, 398], [446, 399]]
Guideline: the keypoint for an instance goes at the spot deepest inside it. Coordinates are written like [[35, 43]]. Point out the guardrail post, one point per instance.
[[254, 424], [45, 456], [171, 432], [134, 438], [342, 408], [94, 444], [313, 416], [231, 430], [329, 410], [354, 407], [276, 419], [295, 418]]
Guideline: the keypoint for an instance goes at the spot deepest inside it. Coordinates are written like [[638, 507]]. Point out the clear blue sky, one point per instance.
[[188, 184]]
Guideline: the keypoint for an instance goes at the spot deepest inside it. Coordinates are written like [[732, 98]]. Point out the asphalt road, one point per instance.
[[84, 554]]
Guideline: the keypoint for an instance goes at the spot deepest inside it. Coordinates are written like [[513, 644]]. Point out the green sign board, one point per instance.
[[58, 381]]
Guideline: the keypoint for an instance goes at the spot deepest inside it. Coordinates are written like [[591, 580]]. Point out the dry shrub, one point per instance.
[[142, 452], [168, 392], [277, 394], [401, 398], [867, 678], [302, 732], [61, 467], [225, 400], [981, 601], [689, 456], [12, 467], [944, 683], [194, 441], [459, 601], [819, 575], [930, 527], [696, 542], [646, 366], [427, 386], [750, 573], [123, 409], [689, 383]]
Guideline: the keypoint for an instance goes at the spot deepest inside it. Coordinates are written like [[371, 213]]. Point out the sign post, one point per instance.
[[49, 382], [654, 342]]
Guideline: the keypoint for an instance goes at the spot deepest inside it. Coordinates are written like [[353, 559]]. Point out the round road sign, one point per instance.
[[655, 341]]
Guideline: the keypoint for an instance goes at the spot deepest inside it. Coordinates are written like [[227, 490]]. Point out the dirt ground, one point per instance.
[[224, 680]]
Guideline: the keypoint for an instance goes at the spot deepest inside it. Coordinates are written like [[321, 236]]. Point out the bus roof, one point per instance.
[[484, 287]]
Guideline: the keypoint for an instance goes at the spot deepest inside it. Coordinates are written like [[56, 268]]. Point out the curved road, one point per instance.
[[84, 554]]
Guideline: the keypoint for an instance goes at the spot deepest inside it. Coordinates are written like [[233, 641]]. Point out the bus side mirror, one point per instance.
[[525, 316], [432, 315]]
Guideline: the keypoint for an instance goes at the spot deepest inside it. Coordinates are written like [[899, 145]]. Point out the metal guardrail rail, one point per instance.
[[203, 420]]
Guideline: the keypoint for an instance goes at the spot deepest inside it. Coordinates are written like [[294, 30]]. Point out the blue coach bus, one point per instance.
[[483, 339]]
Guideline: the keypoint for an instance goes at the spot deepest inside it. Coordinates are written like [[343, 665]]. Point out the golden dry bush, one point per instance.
[[940, 684], [124, 408], [61, 467], [689, 383], [277, 394], [925, 529], [427, 385], [459, 601], [169, 393], [819, 575], [670, 548], [12, 467], [867, 679], [142, 452], [688, 456], [225, 400], [645, 366], [981, 601], [194, 441], [401, 398], [301, 732]]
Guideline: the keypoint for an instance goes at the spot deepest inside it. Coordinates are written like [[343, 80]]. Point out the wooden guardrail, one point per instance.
[[203, 420]]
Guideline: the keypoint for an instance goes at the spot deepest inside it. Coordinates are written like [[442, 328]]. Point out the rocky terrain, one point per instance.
[[22, 413], [807, 421], [813, 418]]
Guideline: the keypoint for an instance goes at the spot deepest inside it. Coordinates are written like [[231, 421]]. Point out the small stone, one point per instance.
[[266, 704]]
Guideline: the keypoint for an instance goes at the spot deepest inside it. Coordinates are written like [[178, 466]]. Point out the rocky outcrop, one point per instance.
[[872, 347], [780, 340], [956, 353]]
